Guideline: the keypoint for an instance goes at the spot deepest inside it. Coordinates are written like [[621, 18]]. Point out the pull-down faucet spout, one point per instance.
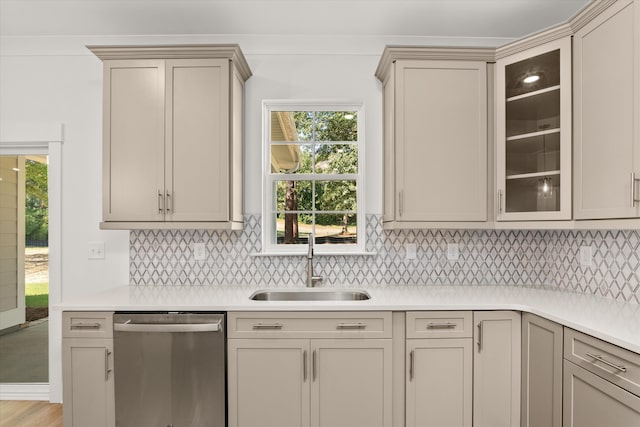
[[311, 279]]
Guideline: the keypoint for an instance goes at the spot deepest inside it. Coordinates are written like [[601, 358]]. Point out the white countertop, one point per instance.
[[612, 321]]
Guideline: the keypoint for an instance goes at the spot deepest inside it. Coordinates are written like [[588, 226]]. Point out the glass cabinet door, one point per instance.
[[534, 134]]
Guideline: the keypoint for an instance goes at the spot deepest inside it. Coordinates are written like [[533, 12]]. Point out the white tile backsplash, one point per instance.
[[516, 258]]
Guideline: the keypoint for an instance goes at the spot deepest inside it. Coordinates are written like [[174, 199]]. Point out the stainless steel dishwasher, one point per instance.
[[169, 369]]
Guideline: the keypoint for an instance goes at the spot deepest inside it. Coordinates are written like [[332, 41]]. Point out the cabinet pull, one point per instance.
[[401, 201], [499, 201], [92, 325], [267, 326], [168, 196], [314, 367], [411, 365], [304, 366], [107, 353], [480, 337], [160, 202], [447, 325], [351, 326], [606, 362], [633, 199]]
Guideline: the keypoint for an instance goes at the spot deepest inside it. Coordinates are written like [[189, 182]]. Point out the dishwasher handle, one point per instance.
[[168, 327]]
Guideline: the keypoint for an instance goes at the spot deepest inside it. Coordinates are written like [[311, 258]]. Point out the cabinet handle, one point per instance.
[[447, 325], [93, 325], [633, 198], [107, 353], [401, 201], [160, 202], [606, 362], [304, 366], [480, 336], [314, 367], [499, 201], [351, 326], [168, 195], [267, 326], [411, 365]]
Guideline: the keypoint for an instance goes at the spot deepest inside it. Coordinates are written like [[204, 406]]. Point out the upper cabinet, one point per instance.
[[533, 149], [435, 136], [172, 142], [607, 114]]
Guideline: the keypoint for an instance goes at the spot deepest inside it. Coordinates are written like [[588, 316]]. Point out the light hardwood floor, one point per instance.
[[30, 414]]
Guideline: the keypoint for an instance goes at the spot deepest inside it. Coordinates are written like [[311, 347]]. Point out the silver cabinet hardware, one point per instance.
[[107, 371], [91, 325], [304, 366], [351, 326], [480, 333], [267, 326], [447, 325], [167, 327], [411, 364], [314, 367], [633, 198], [499, 201], [401, 202], [168, 199], [606, 362], [160, 202]]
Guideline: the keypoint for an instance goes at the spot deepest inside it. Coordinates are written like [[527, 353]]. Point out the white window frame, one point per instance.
[[268, 230]]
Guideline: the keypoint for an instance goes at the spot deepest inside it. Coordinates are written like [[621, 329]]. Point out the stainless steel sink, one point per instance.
[[310, 295]]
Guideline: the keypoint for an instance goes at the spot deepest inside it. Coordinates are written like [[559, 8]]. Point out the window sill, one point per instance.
[[315, 254]]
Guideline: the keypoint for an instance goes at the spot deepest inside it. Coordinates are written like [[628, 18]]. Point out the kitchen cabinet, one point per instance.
[[496, 369], [533, 133], [542, 342], [172, 142], [601, 383], [606, 83], [310, 369], [435, 139], [87, 367], [439, 369]]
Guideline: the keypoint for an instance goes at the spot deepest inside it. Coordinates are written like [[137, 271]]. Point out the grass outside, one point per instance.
[[37, 294]]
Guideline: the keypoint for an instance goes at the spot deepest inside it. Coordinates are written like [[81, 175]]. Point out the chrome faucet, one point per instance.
[[311, 279]]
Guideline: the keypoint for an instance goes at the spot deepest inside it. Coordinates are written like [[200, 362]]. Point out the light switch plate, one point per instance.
[[586, 256], [199, 251], [96, 250], [453, 251], [411, 250]]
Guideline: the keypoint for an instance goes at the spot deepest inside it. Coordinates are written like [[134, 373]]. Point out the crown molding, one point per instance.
[[191, 51], [590, 11], [551, 34]]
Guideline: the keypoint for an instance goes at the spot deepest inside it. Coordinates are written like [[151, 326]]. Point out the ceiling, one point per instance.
[[408, 18]]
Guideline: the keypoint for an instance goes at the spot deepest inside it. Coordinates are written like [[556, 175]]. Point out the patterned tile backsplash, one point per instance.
[[503, 257]]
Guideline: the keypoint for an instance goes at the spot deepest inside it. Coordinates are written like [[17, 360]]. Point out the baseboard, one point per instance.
[[24, 391]]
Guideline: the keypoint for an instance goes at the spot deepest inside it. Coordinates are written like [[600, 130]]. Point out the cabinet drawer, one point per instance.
[[87, 324], [309, 324], [439, 324], [615, 364]]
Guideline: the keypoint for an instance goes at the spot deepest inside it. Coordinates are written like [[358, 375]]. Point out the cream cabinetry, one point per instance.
[[542, 342], [172, 144], [496, 369], [310, 369], [87, 368], [533, 133], [435, 139], [439, 381], [606, 62]]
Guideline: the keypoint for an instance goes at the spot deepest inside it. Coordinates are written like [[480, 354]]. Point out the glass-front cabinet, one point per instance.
[[533, 96]]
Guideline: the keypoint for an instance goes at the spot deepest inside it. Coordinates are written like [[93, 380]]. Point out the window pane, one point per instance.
[[292, 228], [336, 229], [336, 196], [291, 126], [336, 158], [293, 196], [291, 158], [336, 126]]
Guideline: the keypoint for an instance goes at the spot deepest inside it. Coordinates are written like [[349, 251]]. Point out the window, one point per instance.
[[313, 177]]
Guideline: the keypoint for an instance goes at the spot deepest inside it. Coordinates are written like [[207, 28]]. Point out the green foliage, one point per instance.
[[36, 201]]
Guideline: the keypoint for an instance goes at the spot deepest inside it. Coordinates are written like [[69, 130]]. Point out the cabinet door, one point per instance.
[[197, 129], [439, 382], [606, 107], [268, 382], [88, 391], [133, 147], [542, 345], [590, 401], [496, 369], [351, 383], [441, 141]]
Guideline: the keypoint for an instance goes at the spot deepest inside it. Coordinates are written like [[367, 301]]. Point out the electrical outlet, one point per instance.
[[411, 250], [96, 250], [586, 256], [199, 251], [453, 251]]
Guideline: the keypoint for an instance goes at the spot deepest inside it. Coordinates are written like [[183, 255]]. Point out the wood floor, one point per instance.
[[30, 414]]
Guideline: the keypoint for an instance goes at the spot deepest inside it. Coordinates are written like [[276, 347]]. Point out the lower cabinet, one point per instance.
[[541, 372], [87, 369], [496, 369]]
